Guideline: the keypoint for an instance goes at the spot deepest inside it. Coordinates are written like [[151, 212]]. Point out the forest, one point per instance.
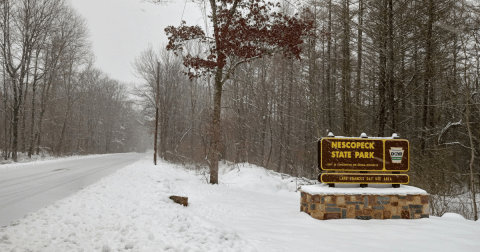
[[378, 67], [53, 101]]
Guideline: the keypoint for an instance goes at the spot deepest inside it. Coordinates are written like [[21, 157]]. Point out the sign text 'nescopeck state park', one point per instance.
[[357, 154]]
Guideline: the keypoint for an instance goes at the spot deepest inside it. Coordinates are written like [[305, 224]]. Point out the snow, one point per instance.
[[363, 136], [28, 188], [453, 216], [450, 124], [23, 160], [254, 178], [252, 209], [458, 202], [354, 189]]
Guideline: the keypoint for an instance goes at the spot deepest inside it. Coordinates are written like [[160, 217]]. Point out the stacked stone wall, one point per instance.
[[324, 207]]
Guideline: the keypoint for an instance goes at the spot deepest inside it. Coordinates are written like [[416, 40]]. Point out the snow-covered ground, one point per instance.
[[456, 203], [28, 187], [24, 160], [251, 210]]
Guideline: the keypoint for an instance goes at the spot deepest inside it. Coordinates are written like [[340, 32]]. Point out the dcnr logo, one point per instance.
[[396, 153]]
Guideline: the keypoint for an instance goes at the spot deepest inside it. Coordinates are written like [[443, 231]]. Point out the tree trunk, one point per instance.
[[472, 156], [346, 106], [16, 108], [382, 81], [428, 74], [43, 107], [288, 148], [64, 126], [6, 143], [390, 72], [329, 68], [24, 118], [216, 127], [281, 118], [31, 139], [358, 121]]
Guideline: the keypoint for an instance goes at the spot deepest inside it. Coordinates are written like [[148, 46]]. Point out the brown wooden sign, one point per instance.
[[359, 154], [367, 178]]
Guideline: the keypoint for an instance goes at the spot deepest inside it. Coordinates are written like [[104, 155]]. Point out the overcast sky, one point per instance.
[[121, 29]]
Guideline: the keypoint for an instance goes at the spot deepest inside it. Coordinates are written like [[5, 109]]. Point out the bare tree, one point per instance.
[[23, 26]]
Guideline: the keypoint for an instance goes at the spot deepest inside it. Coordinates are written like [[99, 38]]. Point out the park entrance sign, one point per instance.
[[358, 162], [354, 154], [387, 157]]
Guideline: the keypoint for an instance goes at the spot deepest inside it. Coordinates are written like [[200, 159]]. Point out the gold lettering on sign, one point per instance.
[[341, 154], [363, 154], [357, 178], [352, 145], [348, 154]]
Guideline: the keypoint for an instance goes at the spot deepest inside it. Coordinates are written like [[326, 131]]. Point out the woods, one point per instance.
[[260, 83], [53, 98], [380, 67]]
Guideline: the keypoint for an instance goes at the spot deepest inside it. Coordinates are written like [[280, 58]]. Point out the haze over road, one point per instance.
[[30, 188]]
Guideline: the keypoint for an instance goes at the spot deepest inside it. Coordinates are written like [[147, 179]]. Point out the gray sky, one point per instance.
[[121, 29]]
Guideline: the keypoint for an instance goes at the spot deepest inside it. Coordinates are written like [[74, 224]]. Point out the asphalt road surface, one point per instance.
[[30, 188]]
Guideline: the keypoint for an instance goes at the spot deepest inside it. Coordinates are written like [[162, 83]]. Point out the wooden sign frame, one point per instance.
[[364, 178], [363, 154]]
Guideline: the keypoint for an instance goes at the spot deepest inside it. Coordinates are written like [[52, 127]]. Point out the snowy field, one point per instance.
[[251, 210]]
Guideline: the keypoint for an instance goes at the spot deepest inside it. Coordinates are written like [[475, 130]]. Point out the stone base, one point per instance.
[[365, 207]]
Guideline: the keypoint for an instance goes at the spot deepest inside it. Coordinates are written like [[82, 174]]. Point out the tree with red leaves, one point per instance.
[[243, 30]]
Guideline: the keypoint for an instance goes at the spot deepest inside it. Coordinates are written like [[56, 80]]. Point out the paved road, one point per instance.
[[27, 189]]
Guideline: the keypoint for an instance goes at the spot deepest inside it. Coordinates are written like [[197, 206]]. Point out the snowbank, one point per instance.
[[255, 178], [129, 210], [453, 216], [249, 210], [41, 159]]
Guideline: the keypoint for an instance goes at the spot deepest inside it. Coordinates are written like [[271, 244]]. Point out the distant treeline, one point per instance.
[[52, 99]]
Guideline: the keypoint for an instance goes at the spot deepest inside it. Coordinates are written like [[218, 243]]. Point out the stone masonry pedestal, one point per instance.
[[323, 203]]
